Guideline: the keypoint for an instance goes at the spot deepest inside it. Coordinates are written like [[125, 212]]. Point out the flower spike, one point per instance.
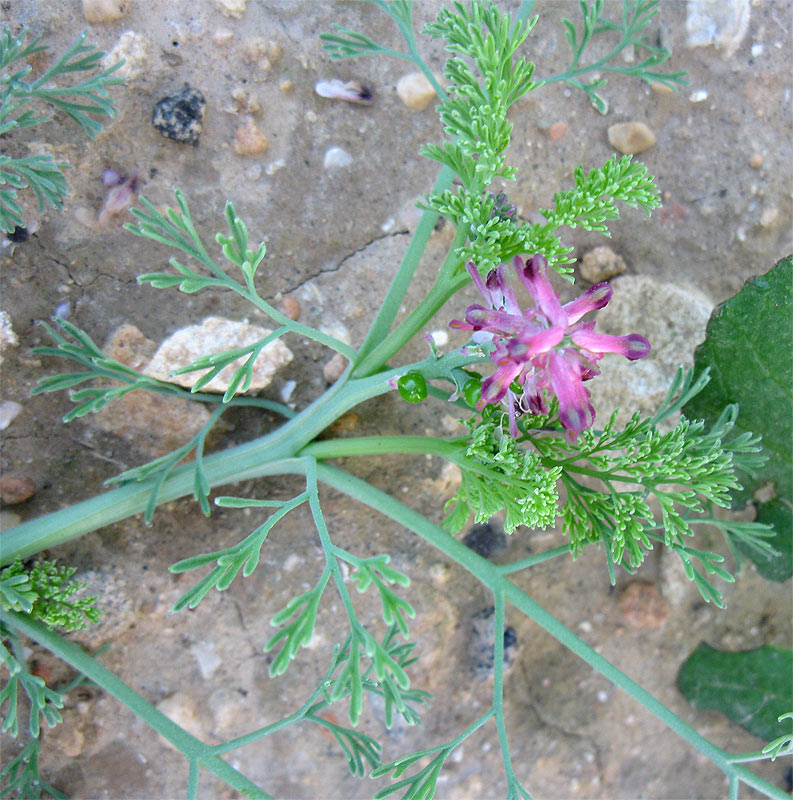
[[545, 349]]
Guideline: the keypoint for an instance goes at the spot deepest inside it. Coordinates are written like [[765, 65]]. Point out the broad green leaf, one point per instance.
[[779, 516], [752, 687], [747, 348]]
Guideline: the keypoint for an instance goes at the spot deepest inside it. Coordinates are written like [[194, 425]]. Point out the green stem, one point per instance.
[[441, 291], [272, 454], [380, 445], [490, 575], [530, 561], [370, 355], [194, 749]]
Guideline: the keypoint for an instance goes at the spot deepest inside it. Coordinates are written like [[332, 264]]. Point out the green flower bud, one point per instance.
[[412, 387]]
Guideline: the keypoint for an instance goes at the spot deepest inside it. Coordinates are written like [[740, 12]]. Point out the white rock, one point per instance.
[[134, 50], [673, 317], [722, 23], [216, 335], [7, 336], [231, 8], [182, 709], [8, 413], [104, 10], [698, 96], [415, 90], [208, 660], [336, 157]]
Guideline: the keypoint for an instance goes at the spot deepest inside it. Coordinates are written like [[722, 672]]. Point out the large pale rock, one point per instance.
[[155, 422], [673, 317], [722, 23], [216, 335]]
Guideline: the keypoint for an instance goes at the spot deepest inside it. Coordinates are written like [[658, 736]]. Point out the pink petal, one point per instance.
[[632, 346], [501, 293], [593, 298], [495, 387], [535, 278], [472, 270], [499, 322], [575, 410], [539, 342]]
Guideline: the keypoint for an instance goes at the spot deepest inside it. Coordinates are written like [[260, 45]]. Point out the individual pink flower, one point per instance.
[[543, 349]]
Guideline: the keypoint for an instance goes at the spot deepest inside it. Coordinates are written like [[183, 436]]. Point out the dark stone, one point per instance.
[[180, 117], [18, 235], [485, 540], [480, 646]]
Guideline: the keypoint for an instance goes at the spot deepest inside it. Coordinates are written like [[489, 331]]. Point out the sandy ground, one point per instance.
[[722, 161]]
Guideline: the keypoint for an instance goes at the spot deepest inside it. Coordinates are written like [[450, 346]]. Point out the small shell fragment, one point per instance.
[[351, 91]]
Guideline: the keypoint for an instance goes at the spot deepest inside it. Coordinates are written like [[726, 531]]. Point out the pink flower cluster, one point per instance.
[[543, 349]]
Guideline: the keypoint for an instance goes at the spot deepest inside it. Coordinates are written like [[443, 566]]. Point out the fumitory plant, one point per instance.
[[535, 450]]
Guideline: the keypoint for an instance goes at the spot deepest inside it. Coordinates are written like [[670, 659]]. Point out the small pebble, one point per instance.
[[557, 131], [15, 489], [222, 37], [631, 137], [600, 264], [8, 519], [249, 140], [661, 88], [485, 540], [7, 336], [440, 337], [333, 370], [232, 8], [104, 10], [134, 50], [642, 605], [698, 96], [286, 86], [180, 117], [244, 101], [415, 91], [8, 413], [480, 645], [290, 308], [769, 216], [756, 161], [262, 52], [351, 91], [336, 157], [287, 390], [208, 660], [253, 173]]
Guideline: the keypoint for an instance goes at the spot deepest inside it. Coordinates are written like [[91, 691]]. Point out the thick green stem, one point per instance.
[[269, 455], [441, 291], [492, 577], [194, 749], [380, 445], [404, 275]]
